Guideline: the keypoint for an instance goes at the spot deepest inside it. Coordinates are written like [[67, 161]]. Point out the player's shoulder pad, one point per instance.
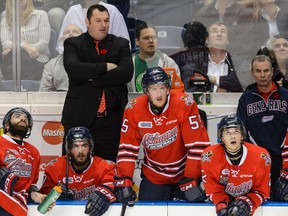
[[184, 99], [210, 151], [52, 162], [139, 100]]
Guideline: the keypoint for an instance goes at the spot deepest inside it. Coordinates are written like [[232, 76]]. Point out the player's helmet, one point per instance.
[[155, 75], [7, 119], [79, 133], [231, 121]]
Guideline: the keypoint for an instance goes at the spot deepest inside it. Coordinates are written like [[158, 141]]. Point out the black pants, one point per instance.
[[31, 69], [106, 135], [4, 213], [149, 191]]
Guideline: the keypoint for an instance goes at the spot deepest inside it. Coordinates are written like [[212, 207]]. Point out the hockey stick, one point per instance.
[[123, 210]]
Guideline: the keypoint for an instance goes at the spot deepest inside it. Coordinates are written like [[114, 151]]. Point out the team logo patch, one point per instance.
[[70, 180], [234, 173], [206, 157], [156, 140], [52, 162], [266, 158], [238, 190], [224, 178], [267, 118], [130, 104], [9, 157], [159, 121], [188, 100], [143, 124]]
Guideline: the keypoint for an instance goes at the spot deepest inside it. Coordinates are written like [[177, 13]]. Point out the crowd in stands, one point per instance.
[[230, 46], [249, 25]]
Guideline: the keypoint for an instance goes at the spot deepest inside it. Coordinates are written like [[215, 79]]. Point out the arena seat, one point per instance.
[[169, 39]]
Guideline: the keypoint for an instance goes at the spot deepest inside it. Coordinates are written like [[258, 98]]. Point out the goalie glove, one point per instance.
[[99, 202], [242, 206], [280, 189], [222, 209], [7, 180], [192, 190], [124, 191]]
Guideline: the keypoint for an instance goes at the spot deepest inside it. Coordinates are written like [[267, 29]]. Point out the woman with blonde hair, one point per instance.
[[34, 40]]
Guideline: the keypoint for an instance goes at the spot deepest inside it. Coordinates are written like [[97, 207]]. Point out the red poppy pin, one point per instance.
[[275, 95], [103, 51]]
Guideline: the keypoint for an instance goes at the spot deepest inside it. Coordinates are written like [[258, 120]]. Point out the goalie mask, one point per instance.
[[7, 120], [231, 121], [200, 81], [155, 75], [76, 134]]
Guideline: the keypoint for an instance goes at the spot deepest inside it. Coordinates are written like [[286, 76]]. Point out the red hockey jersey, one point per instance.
[[23, 160], [99, 172], [172, 141], [223, 179]]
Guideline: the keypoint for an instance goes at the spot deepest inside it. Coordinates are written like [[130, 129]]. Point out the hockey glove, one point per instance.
[[7, 180], [67, 193], [242, 206], [123, 190], [192, 190], [99, 202], [222, 209], [280, 189]]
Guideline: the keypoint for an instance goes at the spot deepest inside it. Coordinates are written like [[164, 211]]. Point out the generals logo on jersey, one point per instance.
[[266, 158]]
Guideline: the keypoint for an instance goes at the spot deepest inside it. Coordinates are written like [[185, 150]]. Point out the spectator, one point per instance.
[[148, 56], [96, 174], [222, 67], [279, 44], [236, 174], [54, 76], [195, 57], [163, 121], [77, 13], [35, 35], [278, 76], [268, 14], [240, 25], [263, 110], [56, 10], [98, 65], [18, 181], [122, 5]]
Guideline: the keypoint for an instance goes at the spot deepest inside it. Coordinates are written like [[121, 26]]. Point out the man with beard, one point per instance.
[[19, 164], [82, 176]]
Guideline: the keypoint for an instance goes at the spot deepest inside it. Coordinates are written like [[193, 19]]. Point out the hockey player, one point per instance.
[[236, 174], [19, 164], [168, 126], [82, 176]]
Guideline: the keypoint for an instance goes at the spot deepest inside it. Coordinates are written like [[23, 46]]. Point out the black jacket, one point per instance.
[[88, 76], [196, 58]]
